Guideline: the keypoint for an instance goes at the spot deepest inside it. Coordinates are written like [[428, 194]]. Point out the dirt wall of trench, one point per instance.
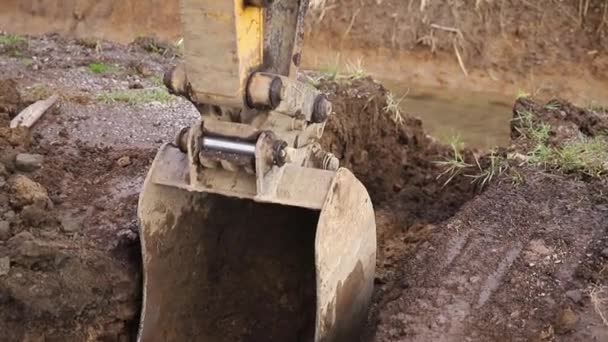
[[491, 36]]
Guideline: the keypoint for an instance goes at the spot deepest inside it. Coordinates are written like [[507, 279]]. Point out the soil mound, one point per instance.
[[567, 121], [390, 153]]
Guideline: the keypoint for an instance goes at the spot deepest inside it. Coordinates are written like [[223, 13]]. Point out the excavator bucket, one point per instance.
[[250, 231], [222, 268]]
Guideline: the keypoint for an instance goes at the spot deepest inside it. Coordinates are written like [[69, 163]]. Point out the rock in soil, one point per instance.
[[575, 295], [36, 216], [124, 161], [5, 230], [28, 162]]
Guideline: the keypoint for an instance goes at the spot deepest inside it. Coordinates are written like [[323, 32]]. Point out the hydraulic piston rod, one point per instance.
[[228, 146]]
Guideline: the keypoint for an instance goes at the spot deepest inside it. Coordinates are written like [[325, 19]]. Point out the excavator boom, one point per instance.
[[250, 231]]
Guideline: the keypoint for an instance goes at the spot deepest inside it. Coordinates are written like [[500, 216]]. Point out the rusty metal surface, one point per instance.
[[284, 33]]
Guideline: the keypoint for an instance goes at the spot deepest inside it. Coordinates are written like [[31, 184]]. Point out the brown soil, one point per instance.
[[505, 46], [513, 262], [73, 263], [518, 36]]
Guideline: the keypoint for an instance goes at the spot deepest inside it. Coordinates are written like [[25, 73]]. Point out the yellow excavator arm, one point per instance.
[[250, 230]]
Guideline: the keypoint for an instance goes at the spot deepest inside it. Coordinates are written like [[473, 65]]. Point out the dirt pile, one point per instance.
[[390, 153], [56, 282]]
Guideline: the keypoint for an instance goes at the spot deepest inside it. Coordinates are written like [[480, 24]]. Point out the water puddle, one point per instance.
[[479, 119]]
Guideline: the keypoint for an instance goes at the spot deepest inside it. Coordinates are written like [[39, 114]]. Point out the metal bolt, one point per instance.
[[322, 109], [181, 141]]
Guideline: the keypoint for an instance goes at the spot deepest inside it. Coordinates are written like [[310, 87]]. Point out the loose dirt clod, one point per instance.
[[26, 191], [566, 321]]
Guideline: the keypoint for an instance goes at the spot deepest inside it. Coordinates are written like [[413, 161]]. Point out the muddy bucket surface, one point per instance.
[[219, 268]]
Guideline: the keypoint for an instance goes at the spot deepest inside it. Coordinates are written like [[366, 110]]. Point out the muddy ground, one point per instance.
[[521, 259]]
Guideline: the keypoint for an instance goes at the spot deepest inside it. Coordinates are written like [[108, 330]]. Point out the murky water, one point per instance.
[[480, 119]]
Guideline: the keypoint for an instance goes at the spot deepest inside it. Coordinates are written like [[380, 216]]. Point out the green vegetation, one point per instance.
[[158, 81], [496, 167], [580, 156], [454, 165], [330, 71], [553, 105], [136, 96], [11, 39], [354, 70], [100, 68]]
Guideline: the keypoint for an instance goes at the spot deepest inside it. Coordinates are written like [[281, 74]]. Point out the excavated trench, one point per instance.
[[69, 251]]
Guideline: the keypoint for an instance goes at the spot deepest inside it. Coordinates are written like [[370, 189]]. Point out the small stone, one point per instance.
[[28, 162], [35, 216], [539, 247], [566, 321], [71, 224], [575, 295], [604, 252], [5, 266], [136, 85], [124, 161], [5, 230]]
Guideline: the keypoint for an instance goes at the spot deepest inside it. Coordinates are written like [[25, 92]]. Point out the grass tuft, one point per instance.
[[100, 68], [136, 96], [455, 164], [11, 39], [588, 156], [355, 69], [497, 166], [582, 156], [330, 71], [393, 106]]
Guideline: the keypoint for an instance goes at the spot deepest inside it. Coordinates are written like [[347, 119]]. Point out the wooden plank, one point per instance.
[[29, 116]]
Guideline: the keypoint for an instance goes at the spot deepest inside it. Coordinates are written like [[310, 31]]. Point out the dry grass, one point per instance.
[[393, 106], [599, 299]]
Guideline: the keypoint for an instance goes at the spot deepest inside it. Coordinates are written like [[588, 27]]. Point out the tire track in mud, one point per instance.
[[499, 269]]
